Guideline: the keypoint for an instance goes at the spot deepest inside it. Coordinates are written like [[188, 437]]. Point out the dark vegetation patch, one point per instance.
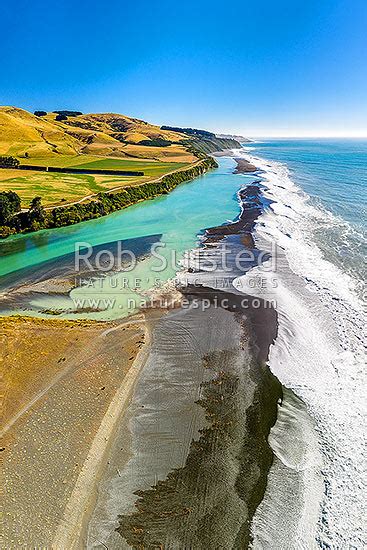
[[68, 113], [9, 162], [156, 142], [189, 131]]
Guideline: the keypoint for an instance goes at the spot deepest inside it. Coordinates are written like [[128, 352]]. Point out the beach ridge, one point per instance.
[[77, 509]]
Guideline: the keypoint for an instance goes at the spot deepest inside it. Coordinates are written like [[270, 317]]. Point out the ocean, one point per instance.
[[333, 174], [316, 221]]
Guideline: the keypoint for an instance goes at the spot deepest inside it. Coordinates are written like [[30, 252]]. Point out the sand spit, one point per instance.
[[66, 384], [244, 166], [209, 501]]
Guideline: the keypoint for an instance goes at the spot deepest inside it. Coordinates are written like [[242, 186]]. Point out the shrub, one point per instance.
[[6, 231], [9, 205], [68, 113], [189, 131], [9, 162], [156, 142]]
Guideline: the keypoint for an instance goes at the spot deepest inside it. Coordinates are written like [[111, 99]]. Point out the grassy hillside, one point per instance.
[[96, 141], [202, 141], [212, 144], [25, 135], [21, 132]]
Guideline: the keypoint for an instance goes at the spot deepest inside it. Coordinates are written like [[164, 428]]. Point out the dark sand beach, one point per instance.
[[198, 457], [244, 166]]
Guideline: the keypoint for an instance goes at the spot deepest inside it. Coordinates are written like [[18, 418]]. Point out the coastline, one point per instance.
[[236, 430], [244, 166], [286, 468], [254, 343], [296, 466], [318, 354]]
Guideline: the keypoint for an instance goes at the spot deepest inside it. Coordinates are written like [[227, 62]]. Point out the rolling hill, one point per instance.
[[109, 141], [25, 135]]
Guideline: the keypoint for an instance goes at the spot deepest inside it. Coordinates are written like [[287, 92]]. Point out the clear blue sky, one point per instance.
[[259, 67]]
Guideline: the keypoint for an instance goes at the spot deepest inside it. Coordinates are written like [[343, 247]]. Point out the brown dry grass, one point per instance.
[[33, 352], [60, 378], [22, 133], [81, 140]]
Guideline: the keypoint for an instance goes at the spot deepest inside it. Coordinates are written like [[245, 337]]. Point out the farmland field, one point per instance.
[[148, 167], [56, 188]]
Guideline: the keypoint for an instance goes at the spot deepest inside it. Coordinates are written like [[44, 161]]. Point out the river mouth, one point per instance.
[[202, 410], [48, 288], [192, 444], [190, 456], [173, 221]]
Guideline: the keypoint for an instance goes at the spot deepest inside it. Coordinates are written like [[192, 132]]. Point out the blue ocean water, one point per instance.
[[316, 220], [334, 175]]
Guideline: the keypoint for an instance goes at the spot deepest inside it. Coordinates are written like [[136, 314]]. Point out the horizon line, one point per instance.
[[245, 134], [308, 136]]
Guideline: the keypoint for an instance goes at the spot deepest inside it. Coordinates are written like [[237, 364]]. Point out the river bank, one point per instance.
[[103, 204], [199, 417]]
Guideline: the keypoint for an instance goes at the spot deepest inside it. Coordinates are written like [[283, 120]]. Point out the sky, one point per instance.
[[257, 68]]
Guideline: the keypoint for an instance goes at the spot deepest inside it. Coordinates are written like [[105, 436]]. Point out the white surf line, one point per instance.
[[71, 525]]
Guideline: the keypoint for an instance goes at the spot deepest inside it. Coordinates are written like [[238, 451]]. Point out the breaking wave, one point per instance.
[[319, 355]]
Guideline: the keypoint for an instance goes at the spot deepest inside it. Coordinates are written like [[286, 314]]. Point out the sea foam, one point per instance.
[[319, 355]]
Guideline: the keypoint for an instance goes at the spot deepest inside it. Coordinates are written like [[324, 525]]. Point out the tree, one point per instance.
[[36, 204], [68, 113], [9, 205], [9, 162], [40, 113], [156, 142], [36, 210], [59, 118]]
